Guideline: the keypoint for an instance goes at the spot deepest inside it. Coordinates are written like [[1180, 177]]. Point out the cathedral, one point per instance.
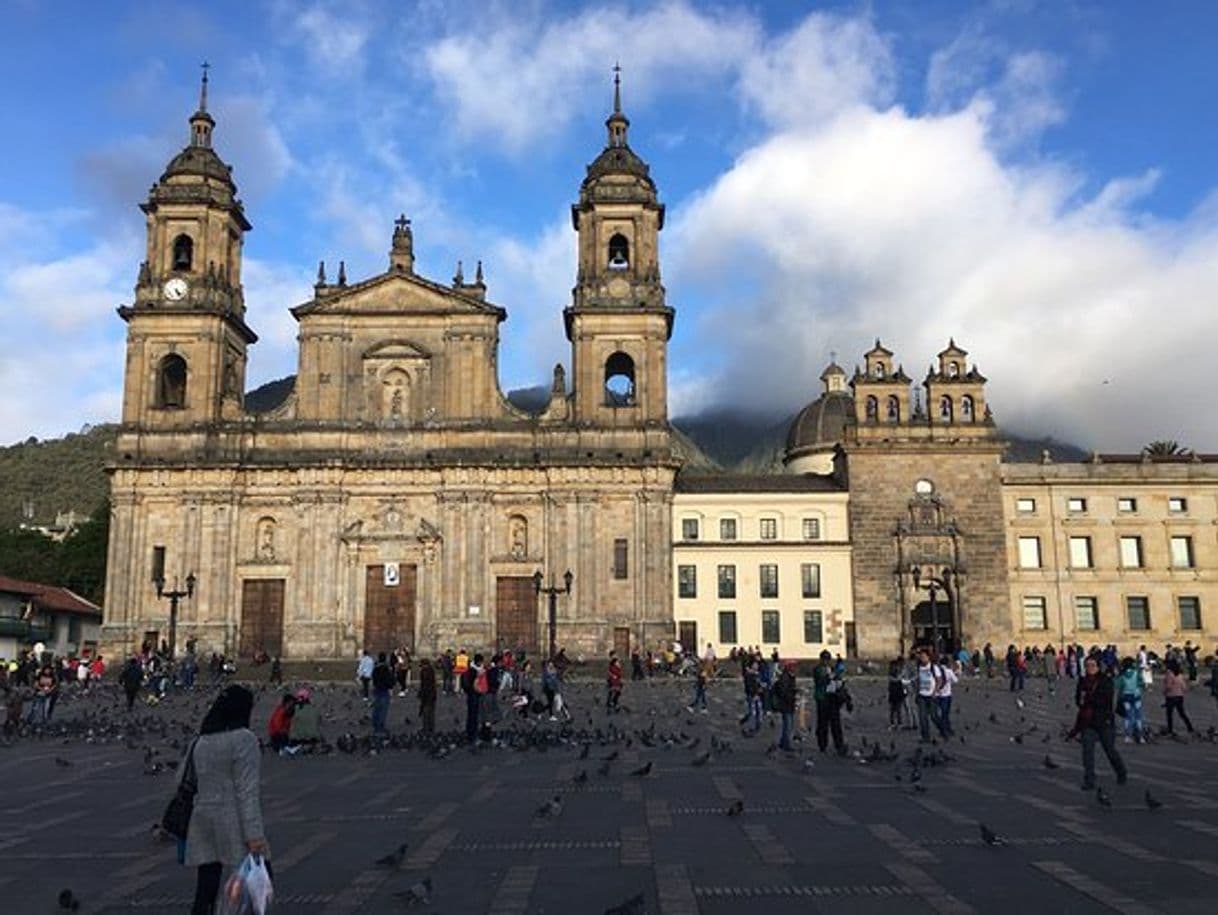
[[396, 498]]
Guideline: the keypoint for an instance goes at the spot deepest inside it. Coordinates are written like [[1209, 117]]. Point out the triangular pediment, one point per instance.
[[395, 292], [397, 350]]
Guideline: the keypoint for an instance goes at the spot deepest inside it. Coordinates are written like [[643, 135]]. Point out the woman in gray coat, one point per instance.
[[226, 823]]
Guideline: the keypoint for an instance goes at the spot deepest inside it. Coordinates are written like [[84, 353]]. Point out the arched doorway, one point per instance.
[[933, 624]]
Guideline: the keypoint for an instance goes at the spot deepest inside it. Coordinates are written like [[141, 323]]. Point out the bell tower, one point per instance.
[[186, 330], [618, 322]]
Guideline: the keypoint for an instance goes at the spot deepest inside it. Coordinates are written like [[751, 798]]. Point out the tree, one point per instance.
[[1166, 448]]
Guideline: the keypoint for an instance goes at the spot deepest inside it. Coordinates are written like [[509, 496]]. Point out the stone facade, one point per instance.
[[396, 496]]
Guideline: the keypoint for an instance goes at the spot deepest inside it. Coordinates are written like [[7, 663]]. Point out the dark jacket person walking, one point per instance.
[[427, 696], [227, 820], [1094, 697]]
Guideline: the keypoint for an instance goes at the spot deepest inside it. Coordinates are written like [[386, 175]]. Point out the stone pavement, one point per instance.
[[841, 835]]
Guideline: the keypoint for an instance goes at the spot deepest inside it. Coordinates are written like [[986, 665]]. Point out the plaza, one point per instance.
[[817, 833]]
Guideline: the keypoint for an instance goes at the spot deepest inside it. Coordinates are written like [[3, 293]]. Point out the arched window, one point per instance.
[[894, 409], [183, 252], [967, 414], [873, 409], [619, 380], [945, 409], [171, 382], [619, 252], [953, 369]]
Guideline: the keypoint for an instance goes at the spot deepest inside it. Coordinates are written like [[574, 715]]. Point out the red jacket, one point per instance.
[[614, 677], [281, 721]]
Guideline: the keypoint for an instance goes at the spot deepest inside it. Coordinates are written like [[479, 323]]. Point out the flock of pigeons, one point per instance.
[[160, 735]]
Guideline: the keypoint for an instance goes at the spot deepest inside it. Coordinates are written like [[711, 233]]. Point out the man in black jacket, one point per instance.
[[784, 700], [382, 687], [1094, 697]]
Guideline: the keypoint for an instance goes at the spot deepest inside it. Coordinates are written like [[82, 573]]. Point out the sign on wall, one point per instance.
[[393, 575]]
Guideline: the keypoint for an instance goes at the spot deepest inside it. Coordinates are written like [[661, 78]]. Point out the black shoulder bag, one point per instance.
[[176, 819]]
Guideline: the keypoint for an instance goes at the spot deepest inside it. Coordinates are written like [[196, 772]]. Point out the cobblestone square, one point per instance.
[[817, 833]]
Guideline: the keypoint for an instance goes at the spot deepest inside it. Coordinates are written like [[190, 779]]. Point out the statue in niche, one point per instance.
[[518, 537], [394, 396], [265, 540]]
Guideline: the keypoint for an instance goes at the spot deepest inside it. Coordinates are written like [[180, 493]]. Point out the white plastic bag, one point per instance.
[[248, 890]]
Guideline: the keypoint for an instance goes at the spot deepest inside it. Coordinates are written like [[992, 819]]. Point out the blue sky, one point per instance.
[[1035, 179]]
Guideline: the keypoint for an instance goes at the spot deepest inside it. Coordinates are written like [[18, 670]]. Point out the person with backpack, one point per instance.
[[929, 679], [469, 686], [1129, 700]]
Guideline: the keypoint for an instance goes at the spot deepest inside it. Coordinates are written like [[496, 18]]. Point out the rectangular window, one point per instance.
[[811, 528], [769, 528], [727, 528], [621, 555], [687, 581], [1131, 552], [1025, 506], [1190, 612], [1029, 552], [1034, 615], [814, 630], [1076, 504], [1138, 610], [1182, 552], [769, 627], [767, 577], [1177, 505], [727, 627], [1086, 613], [727, 582], [1127, 504], [809, 573], [689, 529], [158, 563], [1080, 552]]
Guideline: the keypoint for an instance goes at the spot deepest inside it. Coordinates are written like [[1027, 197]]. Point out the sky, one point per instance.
[[1036, 180]]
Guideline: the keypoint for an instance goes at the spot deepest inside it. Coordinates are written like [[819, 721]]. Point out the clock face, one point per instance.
[[176, 289]]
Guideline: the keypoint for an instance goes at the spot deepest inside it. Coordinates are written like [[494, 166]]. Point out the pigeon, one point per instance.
[[68, 901], [642, 771], [1102, 797], [612, 756], [60, 761], [736, 808], [1049, 763], [989, 837], [416, 894], [603, 768], [583, 754], [701, 760], [1152, 802], [550, 808], [1019, 702], [394, 859], [581, 778], [635, 905]]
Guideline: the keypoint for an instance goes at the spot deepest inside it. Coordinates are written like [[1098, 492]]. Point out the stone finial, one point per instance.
[[559, 386], [401, 255], [1045, 456], [342, 273], [145, 275], [321, 273], [478, 280], [459, 276]]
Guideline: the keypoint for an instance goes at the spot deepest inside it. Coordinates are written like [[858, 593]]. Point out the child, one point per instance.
[[896, 693]]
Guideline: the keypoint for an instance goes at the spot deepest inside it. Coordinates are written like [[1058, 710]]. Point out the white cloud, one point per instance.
[[826, 239], [333, 36]]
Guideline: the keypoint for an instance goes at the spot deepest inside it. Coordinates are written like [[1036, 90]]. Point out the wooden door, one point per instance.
[[516, 614], [389, 610], [687, 635], [261, 617], [621, 642]]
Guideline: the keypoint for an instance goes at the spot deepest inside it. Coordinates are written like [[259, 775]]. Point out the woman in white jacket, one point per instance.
[[226, 823]]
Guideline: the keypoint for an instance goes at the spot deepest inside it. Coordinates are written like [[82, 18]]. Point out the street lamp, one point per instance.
[[934, 583], [552, 591], [174, 596]]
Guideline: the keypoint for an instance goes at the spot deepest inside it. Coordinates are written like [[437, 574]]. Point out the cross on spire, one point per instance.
[[617, 87], [205, 66]]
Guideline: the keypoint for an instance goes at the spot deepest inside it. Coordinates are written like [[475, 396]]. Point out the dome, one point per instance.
[[198, 160], [822, 423]]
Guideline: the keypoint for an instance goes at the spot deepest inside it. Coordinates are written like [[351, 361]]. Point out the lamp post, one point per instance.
[[174, 595], [934, 584], [552, 591]]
